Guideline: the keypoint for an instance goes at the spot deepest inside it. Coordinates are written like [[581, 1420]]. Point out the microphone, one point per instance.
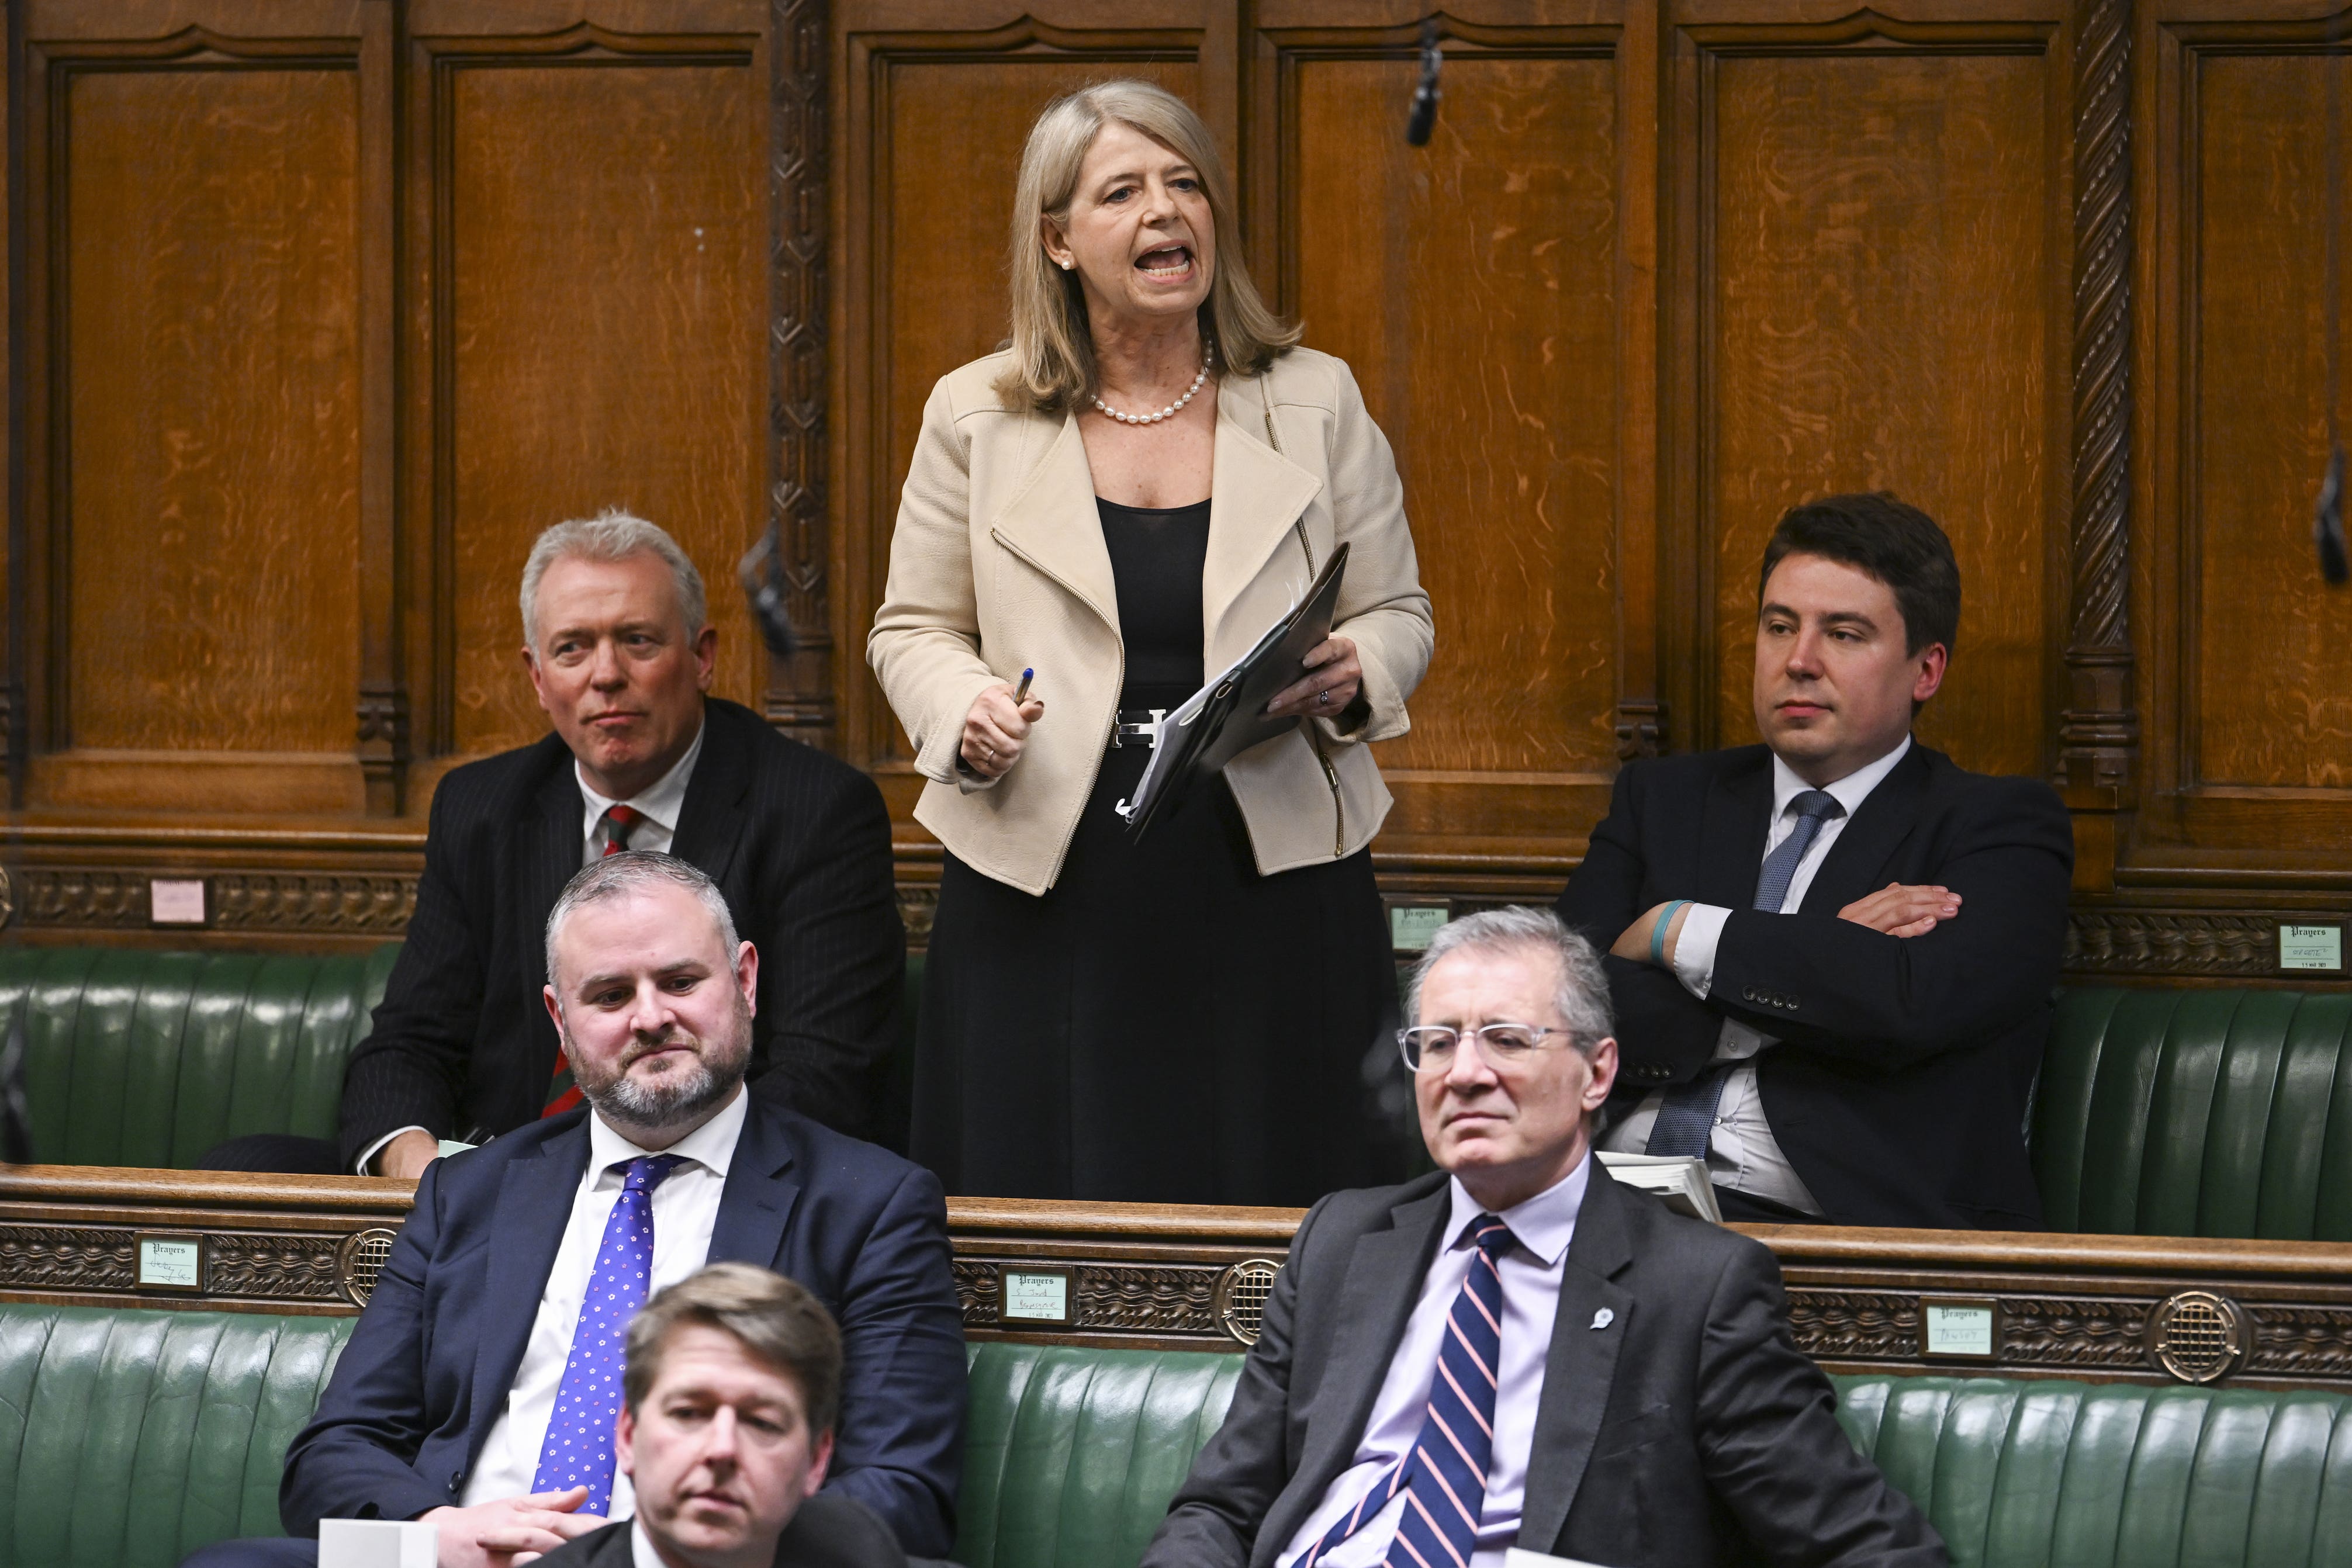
[[761, 572], [1423, 118], [15, 1119]]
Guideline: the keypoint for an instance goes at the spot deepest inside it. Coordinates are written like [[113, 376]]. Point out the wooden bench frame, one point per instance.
[[1165, 1276]]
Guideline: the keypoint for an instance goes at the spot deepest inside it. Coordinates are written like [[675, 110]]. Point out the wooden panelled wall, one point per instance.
[[320, 308]]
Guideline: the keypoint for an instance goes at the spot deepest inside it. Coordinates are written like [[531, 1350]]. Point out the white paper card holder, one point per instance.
[[377, 1544], [2319, 948]]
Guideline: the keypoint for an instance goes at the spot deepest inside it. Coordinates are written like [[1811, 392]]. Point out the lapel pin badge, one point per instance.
[[1604, 1318]]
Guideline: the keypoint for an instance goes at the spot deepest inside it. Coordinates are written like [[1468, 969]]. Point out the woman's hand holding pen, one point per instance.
[[1333, 678], [997, 726]]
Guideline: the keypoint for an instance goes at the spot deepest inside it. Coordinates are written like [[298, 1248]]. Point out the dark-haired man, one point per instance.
[[1831, 955]]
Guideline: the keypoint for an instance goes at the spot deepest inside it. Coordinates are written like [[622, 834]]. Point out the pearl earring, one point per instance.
[[1066, 267]]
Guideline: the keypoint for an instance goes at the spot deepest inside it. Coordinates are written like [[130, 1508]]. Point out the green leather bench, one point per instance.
[[2197, 1112], [129, 1438], [141, 1058], [2159, 1113]]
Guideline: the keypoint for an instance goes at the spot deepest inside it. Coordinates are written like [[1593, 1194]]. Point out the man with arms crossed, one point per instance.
[[1831, 955], [1517, 1352], [619, 649], [734, 1375], [482, 1386]]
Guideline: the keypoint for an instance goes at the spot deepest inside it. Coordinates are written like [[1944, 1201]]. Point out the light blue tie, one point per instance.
[[1686, 1118], [578, 1447]]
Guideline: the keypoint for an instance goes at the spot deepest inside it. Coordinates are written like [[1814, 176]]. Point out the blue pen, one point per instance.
[[1026, 676]]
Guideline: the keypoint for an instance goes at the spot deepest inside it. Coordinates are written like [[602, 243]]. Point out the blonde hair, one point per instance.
[[1053, 365]]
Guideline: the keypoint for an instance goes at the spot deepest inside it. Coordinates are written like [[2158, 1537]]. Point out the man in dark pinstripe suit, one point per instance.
[[619, 651]]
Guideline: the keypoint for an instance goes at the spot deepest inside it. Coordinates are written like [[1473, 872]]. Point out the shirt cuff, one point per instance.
[[1695, 947], [376, 1148]]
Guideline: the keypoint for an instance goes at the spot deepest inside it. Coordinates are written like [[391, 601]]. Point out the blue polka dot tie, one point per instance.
[[578, 1447]]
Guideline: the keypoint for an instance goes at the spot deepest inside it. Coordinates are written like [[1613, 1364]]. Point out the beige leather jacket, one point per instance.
[[998, 564]]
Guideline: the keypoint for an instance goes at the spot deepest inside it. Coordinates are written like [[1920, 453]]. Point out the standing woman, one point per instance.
[[1124, 499]]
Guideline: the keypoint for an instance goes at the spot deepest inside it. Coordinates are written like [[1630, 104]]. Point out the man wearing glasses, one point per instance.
[[1514, 1351]]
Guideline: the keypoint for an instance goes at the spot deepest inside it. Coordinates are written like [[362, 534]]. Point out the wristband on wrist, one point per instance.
[[1658, 932]]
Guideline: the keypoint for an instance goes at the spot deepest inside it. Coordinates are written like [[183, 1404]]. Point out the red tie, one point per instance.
[[562, 1094], [620, 822]]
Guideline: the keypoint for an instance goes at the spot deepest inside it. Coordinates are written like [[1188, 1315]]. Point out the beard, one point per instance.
[[686, 1092]]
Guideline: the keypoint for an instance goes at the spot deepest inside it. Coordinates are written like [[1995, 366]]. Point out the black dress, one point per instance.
[[1163, 1024]]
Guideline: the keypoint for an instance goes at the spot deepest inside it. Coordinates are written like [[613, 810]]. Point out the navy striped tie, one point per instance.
[[1685, 1122], [1445, 1477]]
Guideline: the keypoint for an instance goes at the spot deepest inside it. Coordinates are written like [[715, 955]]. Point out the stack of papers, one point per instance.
[[1679, 1179]]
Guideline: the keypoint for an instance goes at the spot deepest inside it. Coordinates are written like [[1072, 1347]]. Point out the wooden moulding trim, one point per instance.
[[1121, 1221], [2108, 1255], [1034, 1220], [87, 1185]]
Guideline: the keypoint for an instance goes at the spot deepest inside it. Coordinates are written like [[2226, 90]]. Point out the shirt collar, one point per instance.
[[661, 803], [1544, 1224], [1849, 792], [712, 1146]]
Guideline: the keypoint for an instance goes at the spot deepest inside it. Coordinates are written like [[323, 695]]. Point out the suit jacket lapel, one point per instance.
[[710, 819], [1257, 494], [1581, 1363], [535, 1198], [1052, 523], [1732, 830], [1852, 867], [1384, 1280], [550, 851], [758, 1199]]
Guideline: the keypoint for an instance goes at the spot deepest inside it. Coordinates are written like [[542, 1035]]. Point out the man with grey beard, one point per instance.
[[480, 1388]]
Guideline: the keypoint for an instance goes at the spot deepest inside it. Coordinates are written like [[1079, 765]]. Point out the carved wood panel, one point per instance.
[[2249, 713], [1480, 289], [190, 542], [1874, 251], [586, 247]]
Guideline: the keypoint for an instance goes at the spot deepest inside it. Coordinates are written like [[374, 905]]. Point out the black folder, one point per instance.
[[1227, 716]]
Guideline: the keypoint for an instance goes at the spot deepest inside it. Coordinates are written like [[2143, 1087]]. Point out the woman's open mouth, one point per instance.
[[1168, 264]]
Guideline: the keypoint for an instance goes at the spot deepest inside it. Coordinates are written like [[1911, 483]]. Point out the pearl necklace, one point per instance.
[[1208, 358]]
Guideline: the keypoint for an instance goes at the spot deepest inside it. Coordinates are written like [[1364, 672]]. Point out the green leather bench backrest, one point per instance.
[[2197, 1112], [1072, 1455], [2020, 1475], [138, 1058], [129, 1438]]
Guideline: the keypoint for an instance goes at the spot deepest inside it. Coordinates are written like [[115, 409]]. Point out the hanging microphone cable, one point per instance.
[[1423, 118]]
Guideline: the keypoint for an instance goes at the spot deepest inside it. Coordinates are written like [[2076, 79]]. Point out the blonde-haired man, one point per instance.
[[733, 1381]]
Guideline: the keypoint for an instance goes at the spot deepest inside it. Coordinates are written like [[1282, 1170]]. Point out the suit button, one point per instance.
[[1749, 994]]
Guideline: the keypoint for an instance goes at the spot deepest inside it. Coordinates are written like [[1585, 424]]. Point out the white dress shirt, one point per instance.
[[1541, 1228], [661, 806], [686, 1208], [1741, 1152]]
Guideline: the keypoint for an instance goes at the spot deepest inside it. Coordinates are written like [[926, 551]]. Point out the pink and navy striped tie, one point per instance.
[[1445, 1477]]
